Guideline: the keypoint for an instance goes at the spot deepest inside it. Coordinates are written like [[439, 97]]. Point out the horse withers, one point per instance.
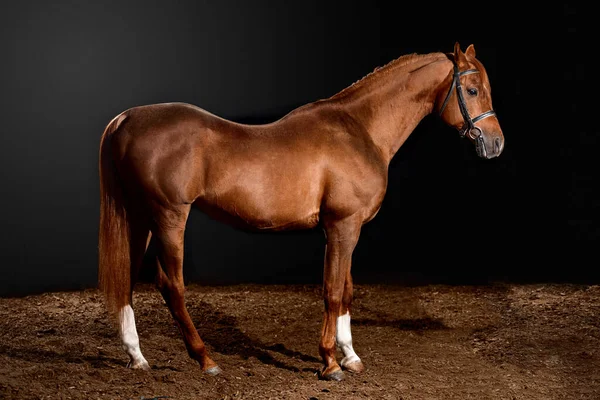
[[324, 164]]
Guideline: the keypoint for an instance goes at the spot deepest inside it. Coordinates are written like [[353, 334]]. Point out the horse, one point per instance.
[[323, 165]]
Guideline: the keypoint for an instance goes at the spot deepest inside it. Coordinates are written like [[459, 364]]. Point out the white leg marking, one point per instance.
[[130, 340], [343, 337]]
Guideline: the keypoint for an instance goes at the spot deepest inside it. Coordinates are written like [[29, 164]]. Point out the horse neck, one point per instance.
[[391, 104]]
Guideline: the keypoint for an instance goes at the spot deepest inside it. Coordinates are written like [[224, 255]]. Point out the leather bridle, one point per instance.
[[469, 127]]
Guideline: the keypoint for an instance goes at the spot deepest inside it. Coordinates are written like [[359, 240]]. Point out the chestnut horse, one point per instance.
[[324, 164]]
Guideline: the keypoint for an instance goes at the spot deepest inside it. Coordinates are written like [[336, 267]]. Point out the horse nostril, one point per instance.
[[497, 145]]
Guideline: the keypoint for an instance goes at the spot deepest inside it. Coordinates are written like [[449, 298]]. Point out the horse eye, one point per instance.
[[472, 91]]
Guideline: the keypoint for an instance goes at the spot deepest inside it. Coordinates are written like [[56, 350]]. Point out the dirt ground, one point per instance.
[[500, 341]]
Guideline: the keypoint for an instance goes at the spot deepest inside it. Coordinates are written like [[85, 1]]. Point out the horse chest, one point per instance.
[[357, 186]]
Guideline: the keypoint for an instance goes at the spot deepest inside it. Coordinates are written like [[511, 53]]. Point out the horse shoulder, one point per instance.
[[356, 176]]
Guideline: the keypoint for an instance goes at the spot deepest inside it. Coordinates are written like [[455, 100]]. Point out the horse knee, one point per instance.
[[177, 288], [333, 302], [172, 291]]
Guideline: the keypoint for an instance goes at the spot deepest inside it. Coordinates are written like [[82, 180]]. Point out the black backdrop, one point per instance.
[[67, 68]]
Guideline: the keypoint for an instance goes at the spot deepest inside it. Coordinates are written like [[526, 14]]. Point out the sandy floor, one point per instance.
[[503, 341]]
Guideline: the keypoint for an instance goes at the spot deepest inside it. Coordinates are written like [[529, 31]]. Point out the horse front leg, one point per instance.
[[343, 336], [342, 236]]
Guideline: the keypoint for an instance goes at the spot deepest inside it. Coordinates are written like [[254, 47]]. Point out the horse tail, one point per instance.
[[114, 276]]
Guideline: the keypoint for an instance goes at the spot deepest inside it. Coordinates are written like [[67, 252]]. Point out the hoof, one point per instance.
[[336, 375], [139, 365], [354, 367], [213, 370]]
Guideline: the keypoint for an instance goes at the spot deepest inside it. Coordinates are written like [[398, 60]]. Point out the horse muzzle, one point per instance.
[[487, 145]]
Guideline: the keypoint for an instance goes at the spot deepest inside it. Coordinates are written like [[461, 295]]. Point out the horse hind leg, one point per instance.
[[351, 362], [138, 243], [130, 339], [169, 234]]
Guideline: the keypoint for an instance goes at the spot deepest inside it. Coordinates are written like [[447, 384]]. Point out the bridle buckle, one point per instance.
[[473, 133]]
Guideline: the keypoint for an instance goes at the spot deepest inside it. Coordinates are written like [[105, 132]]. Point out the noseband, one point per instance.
[[469, 126]]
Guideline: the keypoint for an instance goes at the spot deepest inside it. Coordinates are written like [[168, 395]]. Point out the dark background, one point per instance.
[[68, 68]]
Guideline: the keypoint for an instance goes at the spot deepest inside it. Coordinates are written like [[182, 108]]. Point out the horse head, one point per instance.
[[467, 105]]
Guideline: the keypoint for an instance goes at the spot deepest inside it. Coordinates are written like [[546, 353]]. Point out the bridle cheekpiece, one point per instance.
[[469, 127]]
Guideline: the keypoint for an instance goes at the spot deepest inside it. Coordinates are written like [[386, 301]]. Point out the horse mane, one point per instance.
[[395, 63]]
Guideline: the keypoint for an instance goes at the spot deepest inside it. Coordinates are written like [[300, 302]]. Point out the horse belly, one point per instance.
[[265, 197]]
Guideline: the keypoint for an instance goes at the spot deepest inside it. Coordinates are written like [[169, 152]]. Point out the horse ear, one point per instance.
[[459, 56], [470, 51], [457, 50]]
